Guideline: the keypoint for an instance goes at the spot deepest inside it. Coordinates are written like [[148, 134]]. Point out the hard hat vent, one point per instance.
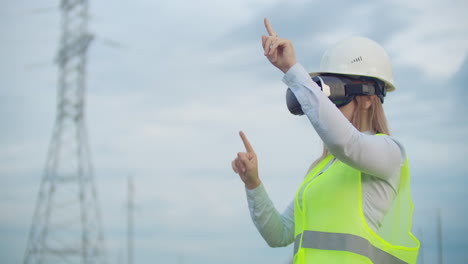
[[358, 59]]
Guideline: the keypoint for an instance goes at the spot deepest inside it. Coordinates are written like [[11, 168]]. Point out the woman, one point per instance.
[[354, 205]]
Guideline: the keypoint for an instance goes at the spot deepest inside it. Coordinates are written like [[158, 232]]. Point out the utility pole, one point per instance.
[[421, 249], [439, 237], [66, 227], [130, 207]]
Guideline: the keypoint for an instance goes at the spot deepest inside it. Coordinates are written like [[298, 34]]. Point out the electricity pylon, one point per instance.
[[66, 227]]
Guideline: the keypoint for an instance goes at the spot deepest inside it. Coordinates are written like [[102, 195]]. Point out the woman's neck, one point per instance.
[[364, 126]]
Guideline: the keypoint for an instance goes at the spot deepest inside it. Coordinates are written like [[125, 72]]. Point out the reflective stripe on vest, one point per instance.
[[344, 242]]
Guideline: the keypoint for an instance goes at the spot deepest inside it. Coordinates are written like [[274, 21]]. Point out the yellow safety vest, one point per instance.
[[330, 227]]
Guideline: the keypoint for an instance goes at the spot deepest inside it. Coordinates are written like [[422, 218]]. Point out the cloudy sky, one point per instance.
[[170, 84]]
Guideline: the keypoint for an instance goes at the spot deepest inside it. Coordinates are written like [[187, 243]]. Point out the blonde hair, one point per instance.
[[376, 120]]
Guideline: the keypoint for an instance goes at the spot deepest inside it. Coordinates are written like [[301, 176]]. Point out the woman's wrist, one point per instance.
[[288, 65], [253, 184]]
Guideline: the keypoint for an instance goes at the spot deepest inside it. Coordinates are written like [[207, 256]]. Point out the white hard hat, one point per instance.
[[358, 56]]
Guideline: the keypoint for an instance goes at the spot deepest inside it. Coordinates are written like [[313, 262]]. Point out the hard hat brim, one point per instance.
[[390, 87]]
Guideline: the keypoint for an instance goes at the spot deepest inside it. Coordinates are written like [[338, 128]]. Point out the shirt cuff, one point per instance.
[[257, 191], [296, 74], [256, 196]]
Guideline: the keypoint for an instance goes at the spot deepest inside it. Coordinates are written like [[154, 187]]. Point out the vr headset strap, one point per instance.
[[359, 89]]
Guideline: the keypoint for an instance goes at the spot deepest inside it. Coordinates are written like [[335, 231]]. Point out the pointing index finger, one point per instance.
[[247, 145], [270, 30]]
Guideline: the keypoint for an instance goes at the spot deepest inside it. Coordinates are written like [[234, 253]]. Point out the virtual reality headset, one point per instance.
[[340, 90]]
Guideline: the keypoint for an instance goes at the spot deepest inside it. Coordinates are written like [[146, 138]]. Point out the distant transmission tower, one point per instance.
[[66, 227]]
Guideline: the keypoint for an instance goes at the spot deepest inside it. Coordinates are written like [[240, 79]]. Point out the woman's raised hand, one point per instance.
[[245, 164], [279, 51]]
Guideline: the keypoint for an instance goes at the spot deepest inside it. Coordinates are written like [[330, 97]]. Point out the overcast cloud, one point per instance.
[[170, 84]]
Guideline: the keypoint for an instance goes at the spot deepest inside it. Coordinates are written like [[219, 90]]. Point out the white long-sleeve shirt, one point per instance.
[[380, 158]]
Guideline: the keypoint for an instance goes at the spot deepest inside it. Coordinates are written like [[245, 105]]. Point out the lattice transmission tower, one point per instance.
[[66, 227]]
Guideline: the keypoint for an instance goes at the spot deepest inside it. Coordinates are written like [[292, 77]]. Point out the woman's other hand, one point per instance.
[[245, 164], [279, 51]]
